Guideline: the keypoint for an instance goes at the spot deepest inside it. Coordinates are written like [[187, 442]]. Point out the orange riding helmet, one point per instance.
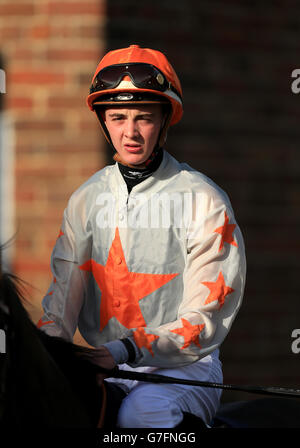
[[136, 75]]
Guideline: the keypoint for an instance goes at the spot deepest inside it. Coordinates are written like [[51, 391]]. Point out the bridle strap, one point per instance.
[[103, 407]]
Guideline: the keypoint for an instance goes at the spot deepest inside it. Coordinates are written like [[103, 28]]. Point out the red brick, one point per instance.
[[16, 9], [87, 172], [31, 265], [86, 148], [39, 125], [64, 102], [66, 30], [10, 32], [41, 31], [91, 31], [51, 171], [23, 53], [19, 102], [38, 77], [75, 8], [74, 54], [23, 244], [25, 196]]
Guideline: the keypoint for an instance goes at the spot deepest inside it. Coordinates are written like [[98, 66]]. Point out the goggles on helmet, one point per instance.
[[142, 75]]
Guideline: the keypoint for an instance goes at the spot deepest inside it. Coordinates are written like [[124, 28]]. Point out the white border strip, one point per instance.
[[7, 186]]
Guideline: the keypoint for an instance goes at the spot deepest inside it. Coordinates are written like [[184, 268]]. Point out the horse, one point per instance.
[[48, 382], [45, 380]]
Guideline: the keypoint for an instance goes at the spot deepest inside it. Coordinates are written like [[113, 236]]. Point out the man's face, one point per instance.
[[134, 130]]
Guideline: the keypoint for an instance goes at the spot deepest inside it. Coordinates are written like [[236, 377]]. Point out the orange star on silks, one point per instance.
[[61, 233], [52, 291], [121, 290], [218, 290], [226, 231], [189, 332], [41, 323], [143, 339]]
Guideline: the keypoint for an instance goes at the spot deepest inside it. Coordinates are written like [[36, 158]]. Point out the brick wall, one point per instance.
[[240, 127], [50, 50]]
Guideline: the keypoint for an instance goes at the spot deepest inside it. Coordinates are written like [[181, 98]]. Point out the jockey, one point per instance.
[[149, 263]]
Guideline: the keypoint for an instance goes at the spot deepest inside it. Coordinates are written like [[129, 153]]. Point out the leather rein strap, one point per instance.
[[103, 407]]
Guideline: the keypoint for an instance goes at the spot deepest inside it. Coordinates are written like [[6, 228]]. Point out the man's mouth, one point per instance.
[[133, 147]]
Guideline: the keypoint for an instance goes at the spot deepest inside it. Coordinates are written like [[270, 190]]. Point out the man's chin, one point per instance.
[[134, 159]]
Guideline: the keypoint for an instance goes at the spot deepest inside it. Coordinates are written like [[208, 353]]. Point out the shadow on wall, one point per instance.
[[240, 127]]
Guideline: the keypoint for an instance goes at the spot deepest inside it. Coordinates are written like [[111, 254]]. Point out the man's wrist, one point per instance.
[[130, 349], [118, 351], [123, 350]]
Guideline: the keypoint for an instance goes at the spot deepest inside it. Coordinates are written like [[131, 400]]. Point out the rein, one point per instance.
[[155, 378]]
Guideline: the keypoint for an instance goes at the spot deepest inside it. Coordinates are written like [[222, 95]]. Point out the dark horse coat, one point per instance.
[[45, 380]]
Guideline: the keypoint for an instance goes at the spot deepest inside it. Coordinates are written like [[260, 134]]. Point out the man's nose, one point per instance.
[[131, 129]]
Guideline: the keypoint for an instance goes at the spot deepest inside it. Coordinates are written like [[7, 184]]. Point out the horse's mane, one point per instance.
[[74, 362], [10, 291]]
